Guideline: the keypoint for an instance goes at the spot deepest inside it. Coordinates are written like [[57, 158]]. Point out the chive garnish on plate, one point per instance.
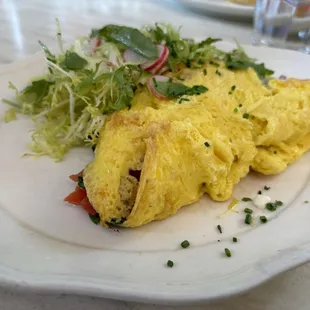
[[185, 244], [227, 252], [248, 211], [219, 227], [246, 199], [263, 219], [170, 263], [248, 219]]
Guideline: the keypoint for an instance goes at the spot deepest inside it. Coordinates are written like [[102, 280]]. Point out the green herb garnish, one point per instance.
[[248, 211], [206, 144], [271, 206], [266, 188], [278, 203], [246, 115], [211, 62], [235, 239], [170, 263], [263, 219], [131, 38], [219, 227], [248, 219], [227, 252], [233, 88], [177, 90], [246, 199], [238, 59], [306, 201], [10, 115], [81, 182], [185, 244], [183, 99], [95, 218], [204, 71], [218, 72], [236, 110], [73, 61]]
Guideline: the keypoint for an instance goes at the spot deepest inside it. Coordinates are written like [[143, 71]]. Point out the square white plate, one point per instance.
[[46, 244]]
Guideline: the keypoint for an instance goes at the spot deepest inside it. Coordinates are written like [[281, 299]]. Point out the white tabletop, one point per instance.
[[24, 22]]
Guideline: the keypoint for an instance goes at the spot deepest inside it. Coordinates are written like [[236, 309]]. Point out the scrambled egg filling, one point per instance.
[[162, 155]]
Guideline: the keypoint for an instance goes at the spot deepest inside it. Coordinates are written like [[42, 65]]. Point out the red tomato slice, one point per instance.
[[76, 197], [74, 177], [85, 204]]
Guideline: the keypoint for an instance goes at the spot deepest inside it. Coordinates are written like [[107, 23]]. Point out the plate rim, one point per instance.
[[44, 282]]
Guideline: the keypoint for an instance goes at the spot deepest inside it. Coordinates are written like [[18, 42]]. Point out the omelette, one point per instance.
[[162, 155]]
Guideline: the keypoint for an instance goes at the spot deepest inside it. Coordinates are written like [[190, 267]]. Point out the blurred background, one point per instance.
[[23, 23]]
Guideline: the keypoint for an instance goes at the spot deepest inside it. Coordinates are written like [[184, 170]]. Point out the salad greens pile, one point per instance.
[[70, 103]]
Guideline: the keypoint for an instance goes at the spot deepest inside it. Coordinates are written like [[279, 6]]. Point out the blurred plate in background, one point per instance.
[[229, 9]]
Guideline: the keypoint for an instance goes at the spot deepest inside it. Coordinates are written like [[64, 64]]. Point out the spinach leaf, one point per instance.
[[73, 61], [130, 37], [49, 56], [177, 90], [94, 218]]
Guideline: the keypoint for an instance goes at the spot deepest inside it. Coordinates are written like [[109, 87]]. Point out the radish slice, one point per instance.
[[155, 65], [132, 57], [151, 86]]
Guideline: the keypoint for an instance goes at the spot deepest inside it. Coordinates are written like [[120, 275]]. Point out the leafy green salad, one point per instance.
[[100, 73]]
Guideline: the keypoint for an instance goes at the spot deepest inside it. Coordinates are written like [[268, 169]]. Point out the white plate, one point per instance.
[[48, 245], [226, 8]]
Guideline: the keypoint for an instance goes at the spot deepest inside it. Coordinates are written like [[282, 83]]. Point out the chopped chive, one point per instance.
[[240, 105], [235, 239], [259, 192], [81, 182], [204, 71], [218, 72], [263, 219], [170, 263], [233, 88], [278, 203], [214, 63], [271, 206], [206, 144], [246, 115], [185, 244], [248, 211], [236, 110], [179, 78], [183, 99], [248, 219], [188, 63], [246, 199], [306, 201], [266, 188], [201, 62], [219, 227], [94, 218], [227, 252]]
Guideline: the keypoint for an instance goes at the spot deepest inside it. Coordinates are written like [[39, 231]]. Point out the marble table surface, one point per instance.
[[24, 22]]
